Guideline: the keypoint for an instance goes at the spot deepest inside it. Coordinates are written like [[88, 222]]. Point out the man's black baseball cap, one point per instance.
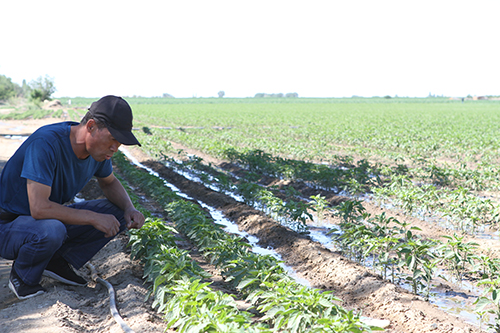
[[116, 114]]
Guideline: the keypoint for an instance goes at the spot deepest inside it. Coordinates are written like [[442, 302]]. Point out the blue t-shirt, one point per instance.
[[47, 157]]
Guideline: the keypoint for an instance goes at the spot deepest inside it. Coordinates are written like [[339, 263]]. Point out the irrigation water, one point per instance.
[[15, 137]]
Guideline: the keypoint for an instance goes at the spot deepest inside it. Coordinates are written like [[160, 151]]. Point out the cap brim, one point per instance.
[[124, 137]]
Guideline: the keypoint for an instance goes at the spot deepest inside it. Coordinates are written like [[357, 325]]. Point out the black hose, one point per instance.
[[112, 302]]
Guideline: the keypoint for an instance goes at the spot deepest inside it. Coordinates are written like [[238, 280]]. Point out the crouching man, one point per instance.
[[41, 234]]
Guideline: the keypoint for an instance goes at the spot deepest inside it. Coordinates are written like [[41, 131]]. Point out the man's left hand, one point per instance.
[[134, 219]]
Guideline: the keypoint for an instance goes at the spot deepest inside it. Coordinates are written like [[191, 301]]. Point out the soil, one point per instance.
[[85, 309]]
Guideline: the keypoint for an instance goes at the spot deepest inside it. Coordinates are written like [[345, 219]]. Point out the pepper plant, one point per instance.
[[458, 255], [490, 302], [320, 205], [416, 255]]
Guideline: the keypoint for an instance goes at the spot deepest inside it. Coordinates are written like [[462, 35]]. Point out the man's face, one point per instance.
[[101, 145]]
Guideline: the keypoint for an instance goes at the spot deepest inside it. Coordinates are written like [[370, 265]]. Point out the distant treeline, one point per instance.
[[37, 90], [279, 95]]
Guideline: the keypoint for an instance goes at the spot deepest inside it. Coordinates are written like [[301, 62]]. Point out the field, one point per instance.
[[379, 208]]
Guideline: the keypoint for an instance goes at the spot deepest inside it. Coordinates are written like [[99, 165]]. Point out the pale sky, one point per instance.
[[197, 48]]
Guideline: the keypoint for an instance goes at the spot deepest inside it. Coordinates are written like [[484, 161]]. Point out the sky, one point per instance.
[[316, 48]]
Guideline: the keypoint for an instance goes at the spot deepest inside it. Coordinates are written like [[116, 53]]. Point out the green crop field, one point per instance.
[[319, 129], [429, 158], [433, 160]]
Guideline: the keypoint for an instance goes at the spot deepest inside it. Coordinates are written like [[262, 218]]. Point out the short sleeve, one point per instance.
[[104, 169], [39, 162]]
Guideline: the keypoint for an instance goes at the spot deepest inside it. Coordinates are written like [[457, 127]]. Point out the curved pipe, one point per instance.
[[112, 302]]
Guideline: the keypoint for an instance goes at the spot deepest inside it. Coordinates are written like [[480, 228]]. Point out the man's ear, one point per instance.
[[91, 125]]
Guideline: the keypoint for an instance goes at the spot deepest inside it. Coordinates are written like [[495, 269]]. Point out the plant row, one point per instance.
[[390, 246], [390, 249], [283, 304], [462, 207]]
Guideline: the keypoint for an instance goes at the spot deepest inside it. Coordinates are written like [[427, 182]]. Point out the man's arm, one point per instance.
[[42, 208], [114, 191]]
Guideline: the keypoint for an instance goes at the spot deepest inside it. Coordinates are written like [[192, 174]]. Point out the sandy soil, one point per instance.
[[85, 309]]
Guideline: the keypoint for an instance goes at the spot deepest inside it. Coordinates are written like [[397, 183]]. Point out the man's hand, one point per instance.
[[108, 224], [114, 191], [134, 219], [42, 208]]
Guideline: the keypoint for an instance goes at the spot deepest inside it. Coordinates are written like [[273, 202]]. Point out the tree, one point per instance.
[[8, 89], [25, 89], [42, 88], [221, 94]]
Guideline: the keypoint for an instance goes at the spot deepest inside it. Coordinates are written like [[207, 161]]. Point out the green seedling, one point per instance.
[[416, 255], [320, 205], [490, 302], [458, 255]]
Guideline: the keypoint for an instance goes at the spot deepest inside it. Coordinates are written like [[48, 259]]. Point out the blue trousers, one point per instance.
[[32, 243]]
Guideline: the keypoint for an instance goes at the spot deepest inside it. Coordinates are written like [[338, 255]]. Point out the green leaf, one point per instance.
[[481, 303], [246, 282], [494, 295], [326, 303], [273, 312]]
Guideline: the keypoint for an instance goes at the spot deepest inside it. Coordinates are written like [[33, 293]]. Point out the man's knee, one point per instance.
[[51, 232]]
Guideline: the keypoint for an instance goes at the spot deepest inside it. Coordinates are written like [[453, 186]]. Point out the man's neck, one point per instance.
[[77, 137]]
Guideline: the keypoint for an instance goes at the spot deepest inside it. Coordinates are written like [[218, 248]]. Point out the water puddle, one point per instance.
[[458, 304], [321, 234]]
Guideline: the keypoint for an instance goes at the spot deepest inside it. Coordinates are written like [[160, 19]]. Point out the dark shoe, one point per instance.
[[21, 289], [60, 270]]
